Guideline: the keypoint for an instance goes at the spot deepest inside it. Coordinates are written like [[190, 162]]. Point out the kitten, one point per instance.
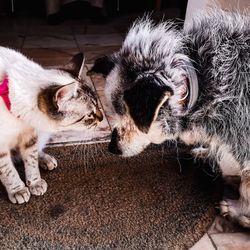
[[36, 102]]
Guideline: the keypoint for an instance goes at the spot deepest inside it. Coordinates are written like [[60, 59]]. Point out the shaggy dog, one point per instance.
[[191, 85]]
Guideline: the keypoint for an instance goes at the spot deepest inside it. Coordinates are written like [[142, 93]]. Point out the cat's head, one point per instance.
[[69, 101]]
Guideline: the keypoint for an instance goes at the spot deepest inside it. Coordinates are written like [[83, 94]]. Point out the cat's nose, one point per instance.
[[98, 115]]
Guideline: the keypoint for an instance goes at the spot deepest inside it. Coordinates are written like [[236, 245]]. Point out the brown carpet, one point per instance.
[[108, 202]]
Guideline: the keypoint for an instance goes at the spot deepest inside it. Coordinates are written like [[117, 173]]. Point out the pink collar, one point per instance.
[[4, 92]]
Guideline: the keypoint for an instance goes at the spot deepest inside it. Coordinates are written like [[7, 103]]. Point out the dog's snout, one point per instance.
[[113, 145]]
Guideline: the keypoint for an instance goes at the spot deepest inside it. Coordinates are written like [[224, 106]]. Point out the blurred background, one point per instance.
[[57, 11], [96, 27], [50, 32], [85, 23]]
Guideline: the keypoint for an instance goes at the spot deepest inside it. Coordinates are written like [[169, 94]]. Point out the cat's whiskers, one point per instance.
[[75, 149]]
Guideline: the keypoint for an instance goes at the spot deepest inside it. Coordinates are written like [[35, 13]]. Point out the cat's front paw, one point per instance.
[[21, 196], [47, 162], [38, 188]]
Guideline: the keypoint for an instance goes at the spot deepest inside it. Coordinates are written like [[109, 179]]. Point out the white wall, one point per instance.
[[194, 6]]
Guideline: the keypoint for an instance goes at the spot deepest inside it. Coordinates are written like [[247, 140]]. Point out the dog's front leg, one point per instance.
[[239, 210]]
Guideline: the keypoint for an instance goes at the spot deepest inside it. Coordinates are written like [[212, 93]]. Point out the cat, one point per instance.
[[34, 103]]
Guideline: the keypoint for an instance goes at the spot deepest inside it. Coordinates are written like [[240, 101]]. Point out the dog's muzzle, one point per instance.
[[114, 143]]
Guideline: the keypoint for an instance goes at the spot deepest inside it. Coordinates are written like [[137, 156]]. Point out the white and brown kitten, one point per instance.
[[42, 101]]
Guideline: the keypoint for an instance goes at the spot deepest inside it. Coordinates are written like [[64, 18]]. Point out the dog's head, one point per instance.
[[150, 84]]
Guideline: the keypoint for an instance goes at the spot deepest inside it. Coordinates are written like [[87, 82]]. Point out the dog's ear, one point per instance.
[[102, 65], [144, 100], [75, 65], [187, 84]]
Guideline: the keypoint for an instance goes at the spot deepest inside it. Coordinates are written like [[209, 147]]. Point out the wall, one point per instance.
[[195, 6]]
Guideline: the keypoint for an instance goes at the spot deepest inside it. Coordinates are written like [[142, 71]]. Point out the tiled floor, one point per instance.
[[223, 235], [54, 45]]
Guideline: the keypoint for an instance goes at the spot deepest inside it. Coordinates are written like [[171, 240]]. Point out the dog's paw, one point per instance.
[[236, 211], [47, 162], [21, 196], [38, 188]]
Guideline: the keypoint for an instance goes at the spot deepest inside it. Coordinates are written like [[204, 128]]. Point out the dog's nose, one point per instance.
[[113, 145]]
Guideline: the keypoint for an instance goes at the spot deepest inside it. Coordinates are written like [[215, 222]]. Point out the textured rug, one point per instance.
[[98, 201]]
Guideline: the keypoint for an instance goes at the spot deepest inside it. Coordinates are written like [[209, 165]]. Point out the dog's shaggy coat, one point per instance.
[[191, 85]]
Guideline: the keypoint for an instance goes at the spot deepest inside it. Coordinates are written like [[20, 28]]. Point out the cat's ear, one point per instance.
[[64, 93], [75, 65]]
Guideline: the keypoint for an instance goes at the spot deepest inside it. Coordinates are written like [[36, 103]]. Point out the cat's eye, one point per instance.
[[91, 114], [78, 93], [89, 121]]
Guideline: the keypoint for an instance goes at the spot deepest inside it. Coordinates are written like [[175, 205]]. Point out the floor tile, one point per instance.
[[12, 31], [76, 22], [50, 56], [53, 41], [48, 30], [222, 225], [87, 78], [94, 52], [51, 52], [103, 100], [100, 29], [99, 39], [79, 29], [231, 241], [100, 134], [14, 25], [204, 243], [98, 81], [12, 41], [38, 21], [106, 107]]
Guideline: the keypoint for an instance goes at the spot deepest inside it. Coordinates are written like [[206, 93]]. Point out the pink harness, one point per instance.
[[4, 92]]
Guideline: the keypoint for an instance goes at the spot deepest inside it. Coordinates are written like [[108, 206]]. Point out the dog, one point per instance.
[[191, 85]]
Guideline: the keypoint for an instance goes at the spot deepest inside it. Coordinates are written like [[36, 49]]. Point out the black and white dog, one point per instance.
[[192, 85]]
